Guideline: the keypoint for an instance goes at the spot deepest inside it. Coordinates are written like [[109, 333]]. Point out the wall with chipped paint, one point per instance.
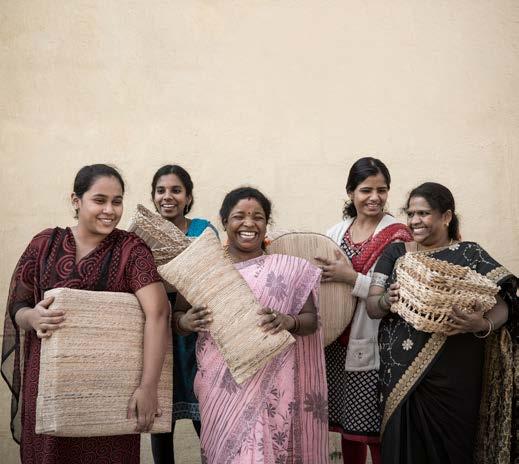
[[280, 95]]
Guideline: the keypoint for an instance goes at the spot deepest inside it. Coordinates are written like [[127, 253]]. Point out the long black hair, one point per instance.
[[87, 175], [184, 177], [242, 193], [440, 199], [359, 172]]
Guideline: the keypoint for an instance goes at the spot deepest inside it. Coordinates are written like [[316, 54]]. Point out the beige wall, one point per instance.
[[284, 95]]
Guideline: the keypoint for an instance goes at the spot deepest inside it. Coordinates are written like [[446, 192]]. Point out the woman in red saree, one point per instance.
[[279, 415], [93, 255]]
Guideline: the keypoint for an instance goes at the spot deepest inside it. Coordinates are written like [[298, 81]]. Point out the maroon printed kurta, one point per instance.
[[122, 262]]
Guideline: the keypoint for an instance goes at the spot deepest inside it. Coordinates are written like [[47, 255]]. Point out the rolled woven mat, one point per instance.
[[205, 276], [336, 303], [430, 288], [162, 236], [90, 367]]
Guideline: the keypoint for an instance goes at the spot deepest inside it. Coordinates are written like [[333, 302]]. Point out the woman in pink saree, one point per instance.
[[280, 415]]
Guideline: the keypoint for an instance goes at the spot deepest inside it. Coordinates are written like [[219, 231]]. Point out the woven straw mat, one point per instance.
[[164, 238], [336, 303], [90, 367], [205, 276], [430, 288]]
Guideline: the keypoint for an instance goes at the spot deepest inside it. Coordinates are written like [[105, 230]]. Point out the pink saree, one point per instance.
[[280, 415]]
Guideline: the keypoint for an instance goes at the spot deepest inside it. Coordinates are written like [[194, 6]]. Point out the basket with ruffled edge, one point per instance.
[[164, 239], [430, 288]]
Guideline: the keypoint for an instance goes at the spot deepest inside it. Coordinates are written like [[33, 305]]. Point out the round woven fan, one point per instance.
[[164, 239], [430, 288], [336, 303]]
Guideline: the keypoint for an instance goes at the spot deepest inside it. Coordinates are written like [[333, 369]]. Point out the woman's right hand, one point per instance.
[[337, 270], [196, 319], [44, 320]]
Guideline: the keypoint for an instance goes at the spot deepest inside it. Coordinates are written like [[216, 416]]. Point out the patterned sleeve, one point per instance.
[[386, 263], [140, 268], [501, 276], [23, 282]]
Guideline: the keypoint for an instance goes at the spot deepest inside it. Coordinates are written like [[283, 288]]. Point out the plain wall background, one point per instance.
[[283, 95]]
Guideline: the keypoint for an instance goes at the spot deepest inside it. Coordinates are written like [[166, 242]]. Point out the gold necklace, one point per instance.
[[235, 259], [424, 250]]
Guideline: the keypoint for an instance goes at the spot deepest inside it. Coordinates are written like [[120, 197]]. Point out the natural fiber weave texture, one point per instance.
[[205, 276], [336, 303], [90, 367], [430, 288], [164, 238]]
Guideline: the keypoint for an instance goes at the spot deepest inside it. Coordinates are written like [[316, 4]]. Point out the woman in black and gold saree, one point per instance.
[[446, 397]]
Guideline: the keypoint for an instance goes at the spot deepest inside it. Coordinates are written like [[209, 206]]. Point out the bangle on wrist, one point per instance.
[[489, 331], [297, 324]]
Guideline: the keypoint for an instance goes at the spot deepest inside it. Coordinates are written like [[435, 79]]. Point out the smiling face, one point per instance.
[[246, 227], [429, 226], [370, 196], [100, 208], [170, 197]]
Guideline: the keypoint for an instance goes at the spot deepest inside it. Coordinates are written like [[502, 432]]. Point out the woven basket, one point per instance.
[[205, 276], [336, 303], [162, 236], [90, 367], [430, 288]]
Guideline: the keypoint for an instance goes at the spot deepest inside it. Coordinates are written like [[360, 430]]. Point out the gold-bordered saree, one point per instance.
[[449, 399]]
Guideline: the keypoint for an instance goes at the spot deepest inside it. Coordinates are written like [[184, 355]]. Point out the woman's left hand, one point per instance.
[[273, 322], [144, 406], [465, 322]]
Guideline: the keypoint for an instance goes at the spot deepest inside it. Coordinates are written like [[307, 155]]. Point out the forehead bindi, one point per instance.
[[248, 206]]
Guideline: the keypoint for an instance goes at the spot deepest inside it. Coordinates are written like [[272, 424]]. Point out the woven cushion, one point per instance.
[[336, 303], [205, 276], [430, 288], [162, 236], [90, 367]]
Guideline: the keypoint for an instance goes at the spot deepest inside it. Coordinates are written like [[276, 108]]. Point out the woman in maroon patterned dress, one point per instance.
[[93, 255]]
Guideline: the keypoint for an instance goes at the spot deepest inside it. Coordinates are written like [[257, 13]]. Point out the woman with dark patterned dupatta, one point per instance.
[[352, 361], [446, 397], [93, 255]]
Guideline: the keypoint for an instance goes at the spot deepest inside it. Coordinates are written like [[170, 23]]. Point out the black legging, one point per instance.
[[162, 445]]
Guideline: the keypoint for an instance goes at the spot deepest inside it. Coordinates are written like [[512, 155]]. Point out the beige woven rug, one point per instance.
[[430, 288], [336, 303], [164, 239], [90, 367], [205, 276]]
